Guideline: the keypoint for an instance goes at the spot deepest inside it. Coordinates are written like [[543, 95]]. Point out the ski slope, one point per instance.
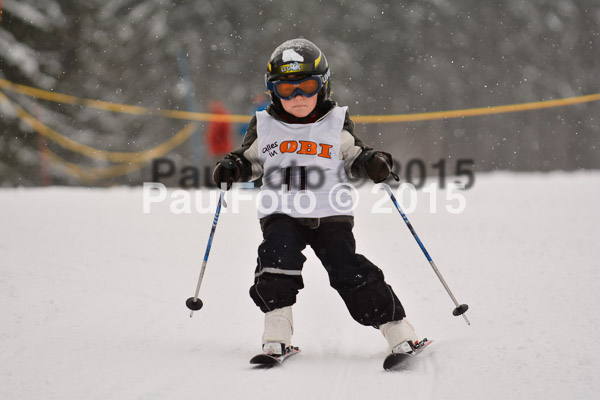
[[93, 290]]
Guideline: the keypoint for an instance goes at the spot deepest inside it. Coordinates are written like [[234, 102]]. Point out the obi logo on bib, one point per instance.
[[306, 147]]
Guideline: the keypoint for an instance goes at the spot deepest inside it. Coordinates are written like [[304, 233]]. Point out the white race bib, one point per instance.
[[302, 167]]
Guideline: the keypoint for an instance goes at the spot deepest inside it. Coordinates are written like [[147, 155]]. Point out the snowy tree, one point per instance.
[[386, 58]]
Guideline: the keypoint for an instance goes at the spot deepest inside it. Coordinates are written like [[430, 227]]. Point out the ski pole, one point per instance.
[[194, 303], [460, 309]]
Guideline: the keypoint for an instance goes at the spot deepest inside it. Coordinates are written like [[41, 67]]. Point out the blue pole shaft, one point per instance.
[[208, 246], [414, 233]]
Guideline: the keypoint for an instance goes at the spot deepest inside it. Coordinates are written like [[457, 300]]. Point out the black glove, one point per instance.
[[227, 171], [375, 165]]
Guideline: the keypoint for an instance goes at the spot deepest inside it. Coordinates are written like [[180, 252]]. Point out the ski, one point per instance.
[[271, 360], [395, 360]]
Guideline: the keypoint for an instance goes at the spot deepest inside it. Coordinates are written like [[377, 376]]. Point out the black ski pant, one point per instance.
[[370, 300]]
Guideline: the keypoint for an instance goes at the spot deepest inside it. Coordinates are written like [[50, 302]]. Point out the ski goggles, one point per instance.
[[287, 90]]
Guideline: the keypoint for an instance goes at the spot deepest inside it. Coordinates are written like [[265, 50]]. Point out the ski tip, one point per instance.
[[268, 361], [395, 360], [264, 361]]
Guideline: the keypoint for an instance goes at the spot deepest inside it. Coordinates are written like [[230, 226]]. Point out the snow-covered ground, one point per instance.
[[92, 294]]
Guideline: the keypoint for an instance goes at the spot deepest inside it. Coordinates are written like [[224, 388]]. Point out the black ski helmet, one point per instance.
[[299, 57]]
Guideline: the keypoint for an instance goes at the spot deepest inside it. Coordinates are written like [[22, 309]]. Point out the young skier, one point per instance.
[[303, 145]]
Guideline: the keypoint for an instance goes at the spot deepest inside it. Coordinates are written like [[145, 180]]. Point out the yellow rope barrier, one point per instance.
[[93, 174], [119, 108], [113, 156], [132, 161], [361, 119], [472, 112], [38, 93]]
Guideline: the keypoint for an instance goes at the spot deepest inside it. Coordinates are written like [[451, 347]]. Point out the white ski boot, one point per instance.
[[400, 335], [279, 327]]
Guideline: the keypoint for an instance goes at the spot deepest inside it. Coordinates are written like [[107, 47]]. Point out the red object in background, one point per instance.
[[218, 134]]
